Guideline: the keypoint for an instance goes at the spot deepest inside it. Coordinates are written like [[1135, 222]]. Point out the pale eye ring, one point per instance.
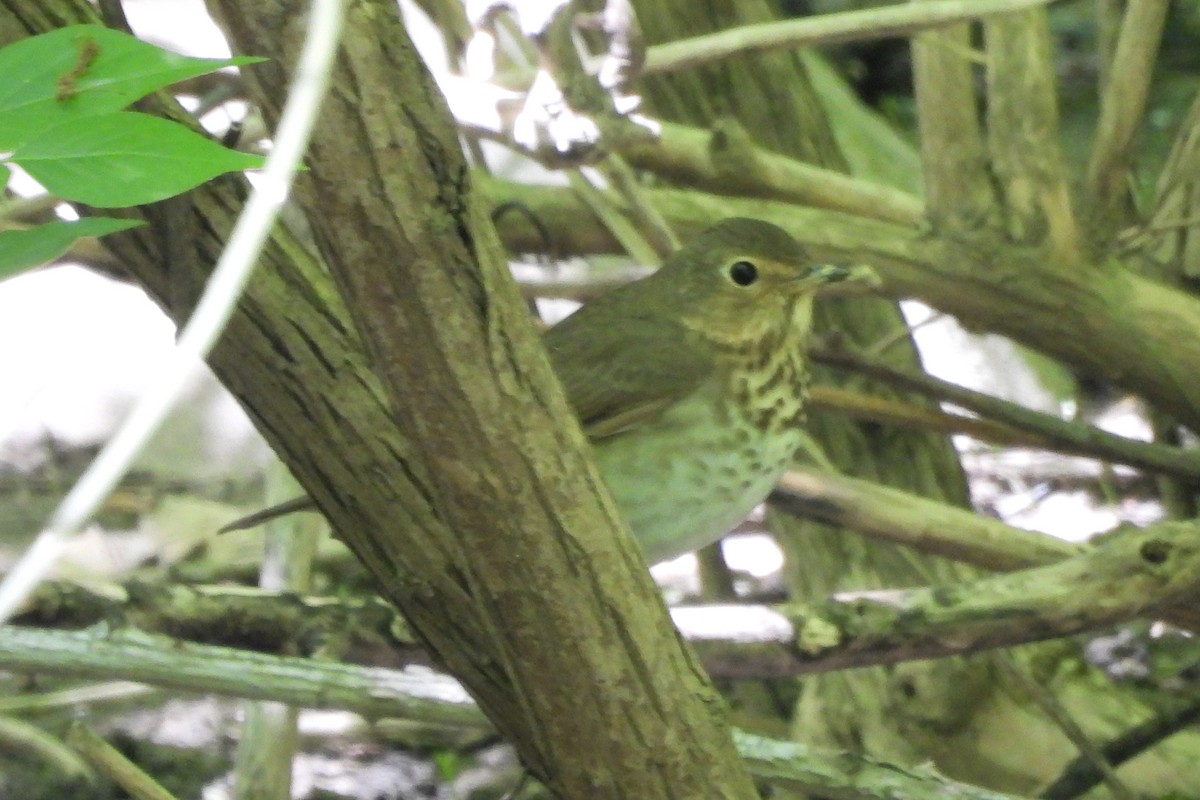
[[743, 273]]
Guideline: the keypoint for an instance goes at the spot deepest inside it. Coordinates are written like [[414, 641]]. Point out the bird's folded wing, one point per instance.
[[622, 375]]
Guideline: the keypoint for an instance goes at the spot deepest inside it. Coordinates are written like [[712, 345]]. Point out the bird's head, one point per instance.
[[741, 279]]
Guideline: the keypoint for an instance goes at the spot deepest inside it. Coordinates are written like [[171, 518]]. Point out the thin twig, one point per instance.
[[1081, 774], [857, 405], [687, 156], [1066, 436], [613, 218], [28, 741], [267, 747], [872, 23], [616, 170], [108, 761], [1050, 706]]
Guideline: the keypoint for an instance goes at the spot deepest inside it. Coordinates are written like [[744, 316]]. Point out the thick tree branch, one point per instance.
[[1135, 574], [377, 693], [1111, 322], [518, 536]]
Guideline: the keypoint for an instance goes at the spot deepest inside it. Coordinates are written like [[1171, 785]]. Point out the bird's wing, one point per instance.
[[620, 376]]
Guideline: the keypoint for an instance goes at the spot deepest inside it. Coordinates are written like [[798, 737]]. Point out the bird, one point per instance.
[[689, 383]]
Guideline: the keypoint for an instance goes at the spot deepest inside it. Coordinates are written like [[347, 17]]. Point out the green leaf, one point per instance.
[[125, 159], [20, 250], [83, 70]]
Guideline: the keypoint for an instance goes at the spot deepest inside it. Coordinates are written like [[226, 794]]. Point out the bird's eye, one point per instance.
[[743, 273]]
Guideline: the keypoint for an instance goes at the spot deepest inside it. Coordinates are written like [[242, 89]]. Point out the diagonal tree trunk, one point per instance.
[[407, 391]]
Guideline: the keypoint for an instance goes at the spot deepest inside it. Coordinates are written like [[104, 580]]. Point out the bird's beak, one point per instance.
[[831, 273], [828, 273]]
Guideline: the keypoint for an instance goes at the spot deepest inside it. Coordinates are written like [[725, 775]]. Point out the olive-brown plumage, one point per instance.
[[690, 383]]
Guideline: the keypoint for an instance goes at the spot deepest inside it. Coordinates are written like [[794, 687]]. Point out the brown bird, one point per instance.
[[690, 383]]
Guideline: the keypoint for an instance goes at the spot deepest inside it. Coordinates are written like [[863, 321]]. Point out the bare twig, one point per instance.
[[1081, 775], [25, 740], [910, 415], [624, 182], [1066, 436], [715, 160], [267, 747], [1170, 235], [1053, 709], [108, 761], [615, 219], [918, 522], [872, 23]]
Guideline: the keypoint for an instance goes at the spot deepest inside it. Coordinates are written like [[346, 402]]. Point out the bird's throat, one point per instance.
[[766, 374]]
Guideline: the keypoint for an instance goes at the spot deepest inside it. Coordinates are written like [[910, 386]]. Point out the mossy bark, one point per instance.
[[399, 376]]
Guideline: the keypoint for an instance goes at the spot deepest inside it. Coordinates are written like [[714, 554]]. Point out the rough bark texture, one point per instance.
[[426, 453], [999, 254]]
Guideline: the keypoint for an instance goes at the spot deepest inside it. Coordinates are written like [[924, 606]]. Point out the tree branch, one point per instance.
[[823, 29], [377, 693], [873, 408], [518, 548], [1131, 576], [918, 522], [171, 663], [1023, 133], [954, 161], [1122, 106], [1111, 322], [1063, 435], [1135, 574], [723, 160]]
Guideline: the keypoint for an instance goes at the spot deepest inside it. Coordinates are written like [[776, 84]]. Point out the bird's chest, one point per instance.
[[765, 389], [698, 470]]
